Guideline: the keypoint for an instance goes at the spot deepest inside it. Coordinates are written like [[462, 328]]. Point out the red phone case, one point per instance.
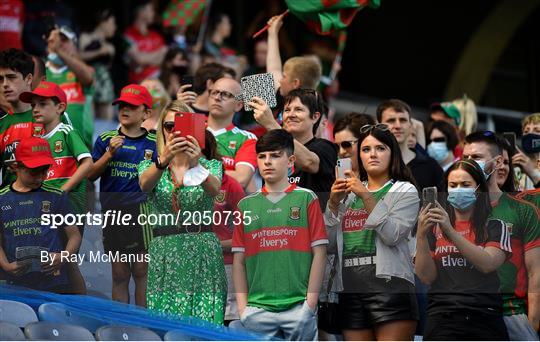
[[191, 124]]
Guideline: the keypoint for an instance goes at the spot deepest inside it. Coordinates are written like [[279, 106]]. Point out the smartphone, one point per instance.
[[260, 85], [429, 195], [186, 79], [511, 138], [343, 164], [193, 124]]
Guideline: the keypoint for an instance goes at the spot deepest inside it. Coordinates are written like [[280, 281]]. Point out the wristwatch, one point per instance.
[[159, 165]]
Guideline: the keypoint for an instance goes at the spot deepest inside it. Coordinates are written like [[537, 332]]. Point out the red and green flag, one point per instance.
[[326, 16], [182, 12]]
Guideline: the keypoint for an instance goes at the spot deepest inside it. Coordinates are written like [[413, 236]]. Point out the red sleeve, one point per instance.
[[235, 193], [317, 231], [238, 245], [246, 154]]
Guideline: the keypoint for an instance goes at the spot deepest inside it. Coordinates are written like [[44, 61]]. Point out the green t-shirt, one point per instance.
[[79, 109], [277, 239], [68, 149], [356, 239], [236, 146], [523, 221]]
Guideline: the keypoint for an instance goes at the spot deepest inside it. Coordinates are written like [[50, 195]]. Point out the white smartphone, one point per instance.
[[343, 164]]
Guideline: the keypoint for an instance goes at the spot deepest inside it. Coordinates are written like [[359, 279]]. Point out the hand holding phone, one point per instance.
[[343, 164], [429, 195]]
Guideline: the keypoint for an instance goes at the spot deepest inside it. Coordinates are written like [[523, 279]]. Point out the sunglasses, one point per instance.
[[168, 126], [223, 95], [346, 144], [369, 128], [439, 139]]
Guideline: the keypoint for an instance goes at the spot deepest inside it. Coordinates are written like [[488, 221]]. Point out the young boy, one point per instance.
[[72, 160], [280, 248], [31, 251], [116, 155]]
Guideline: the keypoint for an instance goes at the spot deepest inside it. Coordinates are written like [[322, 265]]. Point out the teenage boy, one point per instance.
[[397, 115], [315, 158], [16, 75], [280, 249], [32, 252], [116, 155], [521, 273], [72, 160]]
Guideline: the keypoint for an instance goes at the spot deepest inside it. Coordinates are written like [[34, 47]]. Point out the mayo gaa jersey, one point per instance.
[[120, 181], [24, 234], [523, 222], [276, 236], [236, 146], [14, 128]]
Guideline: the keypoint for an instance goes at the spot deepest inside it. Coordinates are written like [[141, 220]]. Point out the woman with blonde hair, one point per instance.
[[186, 274]]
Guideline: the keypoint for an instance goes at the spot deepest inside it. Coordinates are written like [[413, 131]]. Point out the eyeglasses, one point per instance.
[[347, 144], [369, 128], [168, 126], [223, 95]]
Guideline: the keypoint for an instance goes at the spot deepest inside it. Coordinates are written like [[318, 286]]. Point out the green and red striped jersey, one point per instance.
[[14, 128], [68, 149], [523, 221], [79, 107], [277, 239]]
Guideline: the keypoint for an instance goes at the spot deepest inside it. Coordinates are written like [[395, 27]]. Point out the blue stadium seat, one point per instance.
[[178, 335], [10, 332], [47, 331], [16, 313], [125, 333], [59, 313]]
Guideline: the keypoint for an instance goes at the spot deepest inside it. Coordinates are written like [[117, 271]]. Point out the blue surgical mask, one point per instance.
[[438, 151], [461, 198], [55, 59], [482, 165]]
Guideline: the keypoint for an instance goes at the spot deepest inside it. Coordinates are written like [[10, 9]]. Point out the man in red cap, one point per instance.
[[31, 249], [116, 155]]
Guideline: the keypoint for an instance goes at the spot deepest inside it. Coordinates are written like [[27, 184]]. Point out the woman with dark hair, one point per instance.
[[346, 134], [374, 214], [459, 250], [174, 66], [442, 140], [186, 275]]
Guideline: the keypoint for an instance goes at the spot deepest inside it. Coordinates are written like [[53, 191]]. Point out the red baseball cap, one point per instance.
[[136, 95], [34, 152], [44, 89]]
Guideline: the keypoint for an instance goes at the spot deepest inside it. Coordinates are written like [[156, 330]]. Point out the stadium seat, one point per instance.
[[47, 331], [125, 333], [59, 313], [178, 335], [10, 332], [16, 313]]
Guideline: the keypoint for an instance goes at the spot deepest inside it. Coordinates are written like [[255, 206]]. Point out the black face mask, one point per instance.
[[531, 143], [179, 70]]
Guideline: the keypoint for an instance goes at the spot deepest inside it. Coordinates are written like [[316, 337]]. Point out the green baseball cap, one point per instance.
[[449, 109]]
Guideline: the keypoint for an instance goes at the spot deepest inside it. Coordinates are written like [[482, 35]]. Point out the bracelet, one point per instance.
[[159, 165]]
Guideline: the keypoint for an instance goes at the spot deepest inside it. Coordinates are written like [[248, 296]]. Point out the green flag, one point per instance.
[[182, 12], [326, 16]]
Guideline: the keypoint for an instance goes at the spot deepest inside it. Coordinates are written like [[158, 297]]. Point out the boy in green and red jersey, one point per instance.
[[280, 249], [16, 75], [72, 159], [76, 79], [520, 275]]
